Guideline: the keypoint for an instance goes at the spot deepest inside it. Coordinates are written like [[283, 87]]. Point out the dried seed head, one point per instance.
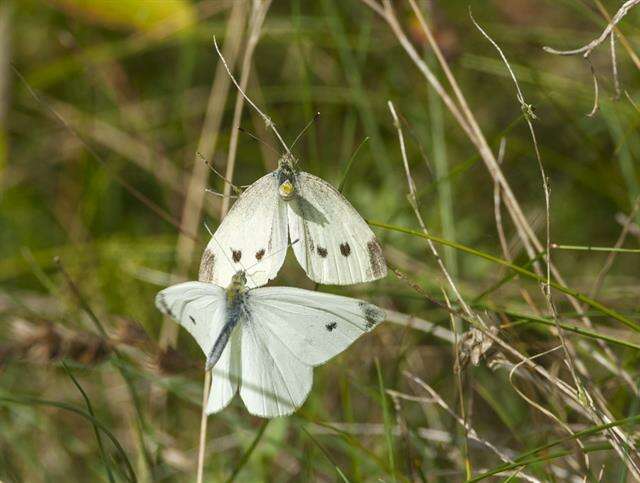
[[130, 332], [45, 342], [86, 348], [473, 346], [170, 362]]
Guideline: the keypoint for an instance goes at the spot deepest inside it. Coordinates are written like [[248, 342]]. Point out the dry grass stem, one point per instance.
[[434, 397], [458, 376], [414, 205], [587, 49], [614, 68], [546, 288], [114, 125], [258, 14], [539, 407], [194, 199], [596, 91]]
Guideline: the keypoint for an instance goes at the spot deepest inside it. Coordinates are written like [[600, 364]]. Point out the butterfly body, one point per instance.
[[265, 341], [286, 176], [330, 240]]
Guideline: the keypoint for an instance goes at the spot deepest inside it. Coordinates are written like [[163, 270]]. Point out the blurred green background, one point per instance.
[[104, 107]]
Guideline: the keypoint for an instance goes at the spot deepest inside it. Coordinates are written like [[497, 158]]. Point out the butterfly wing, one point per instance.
[[313, 326], [274, 381], [200, 308], [335, 245], [252, 236], [225, 375]]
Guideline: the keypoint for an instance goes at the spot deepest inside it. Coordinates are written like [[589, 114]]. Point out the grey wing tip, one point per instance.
[[372, 314], [207, 265], [161, 304], [376, 259]]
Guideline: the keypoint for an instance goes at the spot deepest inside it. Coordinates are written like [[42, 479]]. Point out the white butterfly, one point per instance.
[[331, 241], [265, 341]]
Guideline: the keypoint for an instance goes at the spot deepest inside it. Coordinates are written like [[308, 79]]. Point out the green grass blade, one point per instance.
[[343, 477], [247, 454], [388, 425], [68, 407], [521, 271], [522, 460], [96, 430]]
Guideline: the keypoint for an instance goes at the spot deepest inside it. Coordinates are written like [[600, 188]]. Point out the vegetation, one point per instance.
[[505, 197]]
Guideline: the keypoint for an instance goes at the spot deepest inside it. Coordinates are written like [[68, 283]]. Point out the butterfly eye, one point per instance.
[[286, 189]]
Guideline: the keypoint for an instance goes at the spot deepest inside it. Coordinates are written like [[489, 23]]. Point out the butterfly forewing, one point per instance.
[[335, 245], [201, 308], [253, 234], [198, 307], [314, 326]]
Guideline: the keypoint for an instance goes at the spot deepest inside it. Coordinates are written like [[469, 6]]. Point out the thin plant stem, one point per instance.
[[202, 443], [258, 13]]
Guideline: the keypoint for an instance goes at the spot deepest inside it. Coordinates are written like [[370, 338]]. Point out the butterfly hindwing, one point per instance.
[[274, 381], [225, 375], [253, 234], [335, 245], [314, 326]]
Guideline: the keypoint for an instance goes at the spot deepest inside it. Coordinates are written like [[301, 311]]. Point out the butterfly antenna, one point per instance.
[[217, 173], [261, 141], [208, 229], [217, 193], [304, 129], [268, 122]]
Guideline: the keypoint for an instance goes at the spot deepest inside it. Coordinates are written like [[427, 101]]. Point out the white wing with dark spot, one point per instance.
[[281, 333], [314, 326], [198, 307], [252, 237], [335, 245], [201, 309]]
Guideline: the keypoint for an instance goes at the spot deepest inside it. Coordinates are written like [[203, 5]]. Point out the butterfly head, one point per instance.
[[286, 177], [237, 285]]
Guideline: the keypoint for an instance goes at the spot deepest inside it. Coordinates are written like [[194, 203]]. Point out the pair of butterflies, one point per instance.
[[266, 341]]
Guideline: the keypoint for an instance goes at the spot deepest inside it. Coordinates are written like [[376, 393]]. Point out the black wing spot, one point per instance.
[[192, 320], [345, 249], [260, 254], [236, 255], [322, 252], [331, 326]]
